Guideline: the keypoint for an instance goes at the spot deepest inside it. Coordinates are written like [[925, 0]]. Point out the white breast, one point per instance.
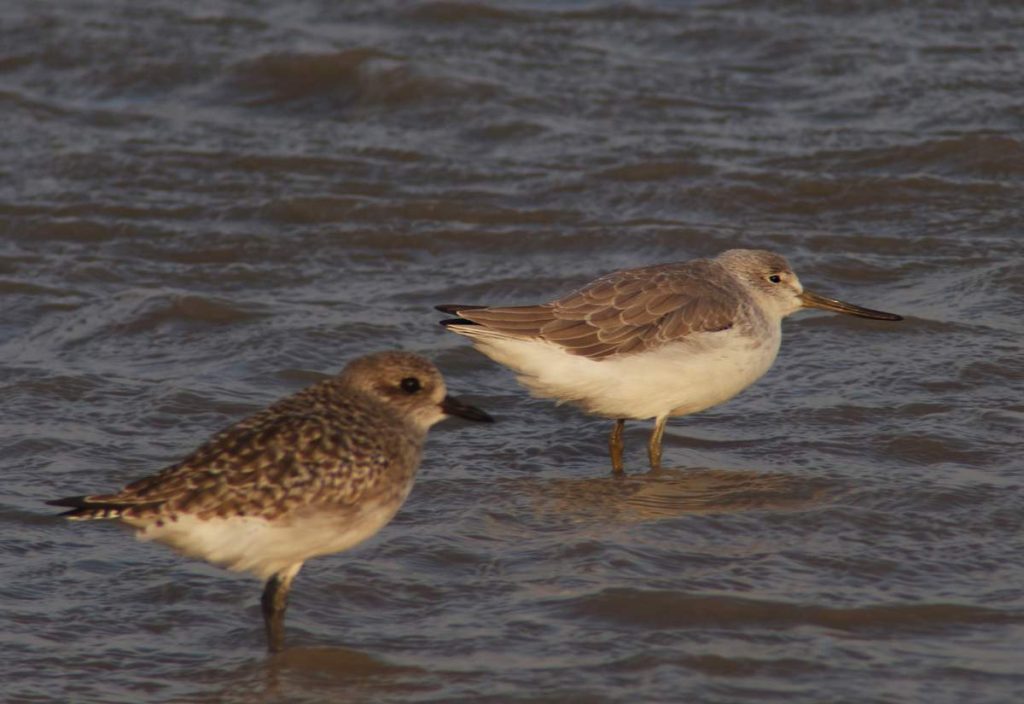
[[264, 547], [671, 380]]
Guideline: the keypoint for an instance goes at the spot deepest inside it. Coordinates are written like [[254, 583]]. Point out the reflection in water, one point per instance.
[[311, 668], [672, 492], [303, 674]]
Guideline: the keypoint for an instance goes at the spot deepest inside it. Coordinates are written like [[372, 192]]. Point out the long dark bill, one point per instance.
[[813, 300], [454, 407]]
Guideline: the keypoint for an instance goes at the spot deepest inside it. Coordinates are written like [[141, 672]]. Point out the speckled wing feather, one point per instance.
[[304, 450], [627, 311]]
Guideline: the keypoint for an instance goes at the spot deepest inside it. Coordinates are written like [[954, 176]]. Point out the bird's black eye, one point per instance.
[[775, 279], [410, 385]]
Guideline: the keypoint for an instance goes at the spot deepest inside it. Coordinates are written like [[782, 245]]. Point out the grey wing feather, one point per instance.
[[627, 311]]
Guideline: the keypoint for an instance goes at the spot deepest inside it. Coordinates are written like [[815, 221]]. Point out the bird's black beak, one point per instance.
[[813, 300], [454, 407]]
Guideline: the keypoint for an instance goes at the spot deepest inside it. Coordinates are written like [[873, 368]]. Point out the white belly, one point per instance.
[[672, 380], [263, 547]]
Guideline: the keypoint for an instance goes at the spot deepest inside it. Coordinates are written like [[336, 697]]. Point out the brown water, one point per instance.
[[205, 206]]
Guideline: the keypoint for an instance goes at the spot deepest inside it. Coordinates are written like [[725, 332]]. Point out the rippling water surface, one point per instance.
[[205, 206]]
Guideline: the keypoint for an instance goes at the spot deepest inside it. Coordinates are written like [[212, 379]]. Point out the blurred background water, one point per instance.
[[205, 206]]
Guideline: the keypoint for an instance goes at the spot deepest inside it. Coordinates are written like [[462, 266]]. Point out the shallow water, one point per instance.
[[206, 207]]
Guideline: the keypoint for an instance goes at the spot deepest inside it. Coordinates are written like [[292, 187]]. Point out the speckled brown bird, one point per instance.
[[316, 473]]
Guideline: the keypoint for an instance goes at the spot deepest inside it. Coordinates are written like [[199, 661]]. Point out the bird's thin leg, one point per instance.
[[654, 445], [274, 602], [615, 444]]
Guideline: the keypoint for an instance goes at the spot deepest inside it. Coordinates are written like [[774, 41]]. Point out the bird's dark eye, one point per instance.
[[410, 385], [775, 279]]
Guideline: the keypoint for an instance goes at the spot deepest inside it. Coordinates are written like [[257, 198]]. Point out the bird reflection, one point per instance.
[[302, 667], [666, 493]]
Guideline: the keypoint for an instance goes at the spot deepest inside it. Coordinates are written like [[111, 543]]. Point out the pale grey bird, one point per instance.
[[315, 473], [653, 342]]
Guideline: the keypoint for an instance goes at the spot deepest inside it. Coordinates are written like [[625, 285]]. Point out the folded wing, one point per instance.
[[623, 312], [253, 468]]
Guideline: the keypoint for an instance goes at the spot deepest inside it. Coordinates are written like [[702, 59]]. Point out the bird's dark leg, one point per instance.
[[615, 444], [654, 445], [274, 602]]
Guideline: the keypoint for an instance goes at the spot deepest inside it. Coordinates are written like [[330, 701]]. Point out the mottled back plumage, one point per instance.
[[313, 448]]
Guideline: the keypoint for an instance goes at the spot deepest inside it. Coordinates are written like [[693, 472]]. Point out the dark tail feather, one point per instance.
[[85, 507], [455, 309], [72, 501]]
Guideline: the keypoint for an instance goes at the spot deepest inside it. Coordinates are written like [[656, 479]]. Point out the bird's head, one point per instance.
[[410, 385], [778, 289]]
